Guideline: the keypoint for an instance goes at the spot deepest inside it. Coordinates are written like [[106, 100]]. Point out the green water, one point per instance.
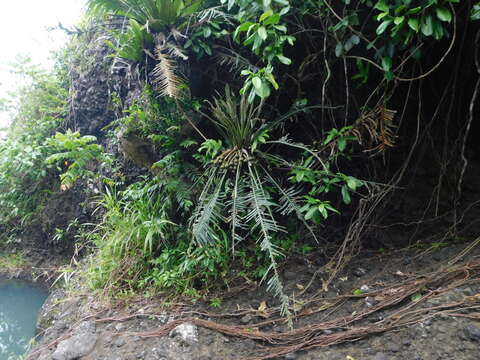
[[20, 303]]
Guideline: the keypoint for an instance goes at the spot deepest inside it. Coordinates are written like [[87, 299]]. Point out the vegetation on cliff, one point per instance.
[[241, 132]]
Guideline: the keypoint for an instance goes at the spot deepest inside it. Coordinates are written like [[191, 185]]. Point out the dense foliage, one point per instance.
[[236, 169]]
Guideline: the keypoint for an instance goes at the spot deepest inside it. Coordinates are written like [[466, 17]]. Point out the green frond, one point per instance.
[[261, 214], [157, 14], [291, 201], [236, 119], [233, 60], [207, 213], [238, 205]]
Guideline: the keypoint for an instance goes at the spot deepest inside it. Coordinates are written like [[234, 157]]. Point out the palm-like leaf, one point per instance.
[[236, 119], [207, 214], [157, 14], [164, 77]]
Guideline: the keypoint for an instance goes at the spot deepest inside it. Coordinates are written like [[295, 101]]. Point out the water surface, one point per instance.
[[20, 303]]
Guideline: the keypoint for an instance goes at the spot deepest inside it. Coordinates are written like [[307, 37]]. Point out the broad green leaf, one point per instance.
[[310, 213], [262, 32], [346, 195], [322, 209], [382, 6], [284, 60], [414, 24], [386, 63], [352, 183], [339, 50], [398, 20], [444, 14], [427, 26], [265, 15], [257, 82], [383, 26], [263, 91], [273, 19]]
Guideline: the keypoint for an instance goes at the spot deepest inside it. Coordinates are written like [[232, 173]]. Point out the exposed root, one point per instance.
[[351, 328]]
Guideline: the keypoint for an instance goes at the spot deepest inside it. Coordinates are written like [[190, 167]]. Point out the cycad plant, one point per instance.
[[242, 191]]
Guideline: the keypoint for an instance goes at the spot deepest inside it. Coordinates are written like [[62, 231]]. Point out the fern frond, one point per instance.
[[164, 77], [262, 216], [207, 213], [238, 205], [175, 51], [214, 12], [233, 60], [290, 201]]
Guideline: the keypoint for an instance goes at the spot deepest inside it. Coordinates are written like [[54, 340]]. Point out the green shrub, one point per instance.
[[39, 107]]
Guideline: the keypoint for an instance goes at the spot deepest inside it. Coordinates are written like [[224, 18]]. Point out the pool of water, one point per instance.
[[20, 303]]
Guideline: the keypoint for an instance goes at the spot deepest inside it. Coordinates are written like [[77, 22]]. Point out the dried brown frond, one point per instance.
[[175, 51], [164, 77], [378, 125]]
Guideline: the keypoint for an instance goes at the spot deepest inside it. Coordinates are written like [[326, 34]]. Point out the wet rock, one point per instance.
[[80, 344], [370, 301], [290, 275], [472, 332], [187, 332], [365, 288], [359, 272], [246, 319], [380, 356], [393, 347], [119, 342]]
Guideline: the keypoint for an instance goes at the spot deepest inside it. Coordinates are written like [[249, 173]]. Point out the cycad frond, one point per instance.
[[207, 213], [238, 205], [291, 201], [262, 216], [164, 77], [233, 60]]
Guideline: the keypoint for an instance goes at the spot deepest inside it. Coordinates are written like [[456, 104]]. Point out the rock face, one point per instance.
[[129, 333], [80, 344], [472, 332]]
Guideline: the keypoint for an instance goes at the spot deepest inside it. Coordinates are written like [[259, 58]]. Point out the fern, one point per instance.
[[262, 216], [207, 213], [164, 77]]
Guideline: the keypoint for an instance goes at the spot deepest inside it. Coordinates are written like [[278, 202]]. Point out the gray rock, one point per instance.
[[370, 301], [359, 272], [81, 343], [393, 347], [291, 356], [187, 332], [246, 319], [380, 356], [290, 275], [365, 288], [119, 342], [472, 332]]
